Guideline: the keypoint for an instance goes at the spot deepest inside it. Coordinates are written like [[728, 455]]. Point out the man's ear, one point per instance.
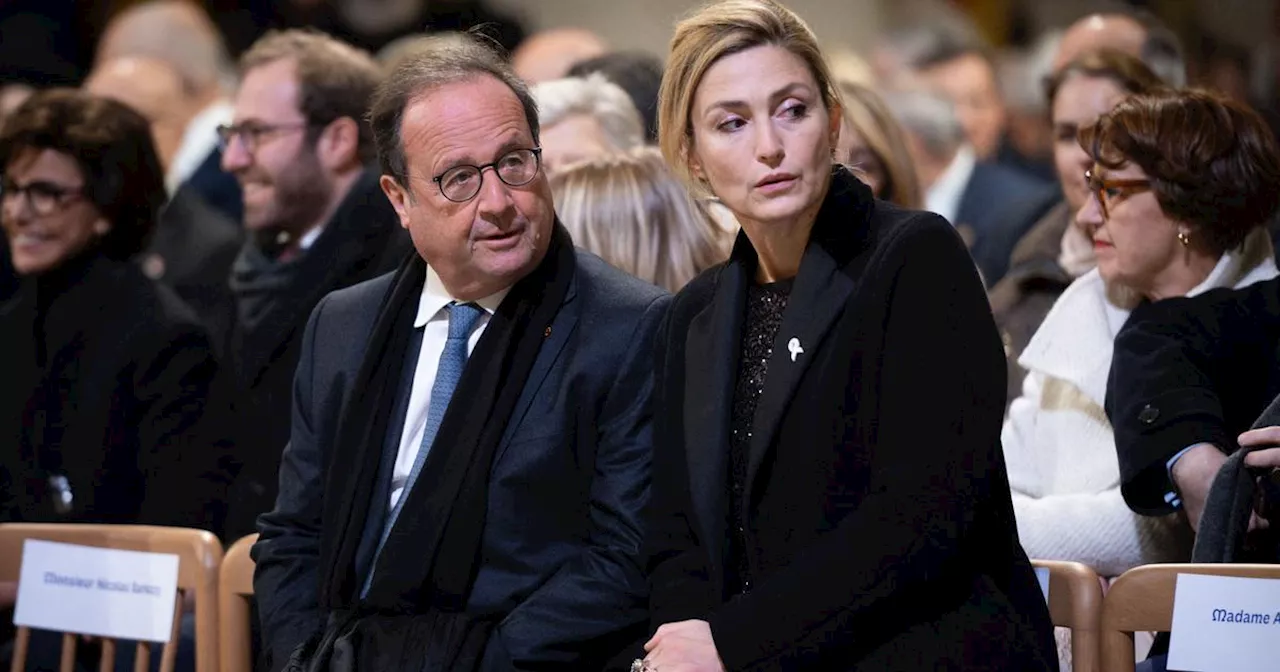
[[399, 196], [338, 146]]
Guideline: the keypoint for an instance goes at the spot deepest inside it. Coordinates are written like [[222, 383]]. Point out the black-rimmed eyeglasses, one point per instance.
[[515, 168], [251, 134], [41, 198]]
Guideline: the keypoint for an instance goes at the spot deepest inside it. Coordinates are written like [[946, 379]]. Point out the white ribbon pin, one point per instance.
[[793, 346]]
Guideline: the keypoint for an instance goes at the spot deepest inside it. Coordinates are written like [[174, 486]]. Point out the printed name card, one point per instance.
[[97, 591], [1225, 623]]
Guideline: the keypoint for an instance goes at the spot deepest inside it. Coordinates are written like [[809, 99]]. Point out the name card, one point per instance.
[[1042, 575], [97, 591], [1225, 623]]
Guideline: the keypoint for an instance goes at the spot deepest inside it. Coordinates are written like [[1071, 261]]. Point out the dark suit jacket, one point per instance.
[[561, 560], [1190, 370], [879, 528], [112, 382], [192, 252], [8, 277], [217, 187], [363, 240], [999, 206]]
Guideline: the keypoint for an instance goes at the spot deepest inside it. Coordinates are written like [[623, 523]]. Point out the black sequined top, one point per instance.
[[765, 305]]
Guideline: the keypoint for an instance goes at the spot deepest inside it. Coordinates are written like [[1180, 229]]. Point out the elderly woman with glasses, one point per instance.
[[109, 402], [1181, 185]]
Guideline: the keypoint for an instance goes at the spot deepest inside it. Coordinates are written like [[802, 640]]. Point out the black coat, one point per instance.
[[1190, 370], [362, 240], [111, 382], [192, 252], [879, 525]]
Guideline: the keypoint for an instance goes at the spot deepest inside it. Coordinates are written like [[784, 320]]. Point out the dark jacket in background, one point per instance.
[[8, 277], [1033, 284], [217, 188], [879, 527], [1190, 370], [192, 251], [999, 205], [362, 240], [110, 381]]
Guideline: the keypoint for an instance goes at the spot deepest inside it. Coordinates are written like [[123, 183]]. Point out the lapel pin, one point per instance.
[[793, 346]]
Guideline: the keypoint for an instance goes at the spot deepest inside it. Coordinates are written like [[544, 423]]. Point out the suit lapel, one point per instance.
[[817, 299], [710, 371], [562, 328]]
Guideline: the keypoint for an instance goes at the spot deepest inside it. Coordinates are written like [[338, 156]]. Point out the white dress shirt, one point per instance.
[[433, 318], [198, 140], [946, 192]]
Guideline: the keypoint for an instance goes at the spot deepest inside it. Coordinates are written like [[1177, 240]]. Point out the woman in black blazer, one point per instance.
[[109, 405], [829, 491]]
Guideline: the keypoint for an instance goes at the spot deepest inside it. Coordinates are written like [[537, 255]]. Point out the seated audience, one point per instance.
[[989, 204], [638, 73], [633, 212], [584, 117], [112, 401], [807, 514], [316, 221], [1180, 187], [875, 147], [1054, 253]]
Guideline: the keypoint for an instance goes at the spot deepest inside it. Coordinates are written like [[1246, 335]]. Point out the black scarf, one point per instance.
[[426, 567]]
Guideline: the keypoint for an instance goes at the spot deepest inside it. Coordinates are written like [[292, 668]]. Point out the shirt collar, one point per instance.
[[435, 297], [948, 190], [198, 141]]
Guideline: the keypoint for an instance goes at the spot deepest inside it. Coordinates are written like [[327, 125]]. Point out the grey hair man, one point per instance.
[[1134, 32], [585, 117], [503, 531]]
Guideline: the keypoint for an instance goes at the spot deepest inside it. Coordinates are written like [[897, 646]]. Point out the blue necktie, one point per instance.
[[462, 321]]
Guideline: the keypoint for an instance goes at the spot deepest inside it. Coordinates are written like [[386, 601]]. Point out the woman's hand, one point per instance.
[[1257, 438], [686, 646]]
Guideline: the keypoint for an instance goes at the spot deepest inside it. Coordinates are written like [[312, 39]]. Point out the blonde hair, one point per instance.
[[868, 115], [710, 33], [593, 96], [631, 210]]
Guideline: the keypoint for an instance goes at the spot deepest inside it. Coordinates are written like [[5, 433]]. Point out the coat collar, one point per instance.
[[714, 342]]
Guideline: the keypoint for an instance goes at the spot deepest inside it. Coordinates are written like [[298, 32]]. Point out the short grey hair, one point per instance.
[[929, 116], [175, 32], [596, 97], [436, 61]]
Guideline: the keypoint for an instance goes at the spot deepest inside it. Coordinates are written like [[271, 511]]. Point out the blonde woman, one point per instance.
[[875, 147], [634, 213]]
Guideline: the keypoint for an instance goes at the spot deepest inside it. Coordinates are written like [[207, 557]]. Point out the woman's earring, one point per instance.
[[1184, 238]]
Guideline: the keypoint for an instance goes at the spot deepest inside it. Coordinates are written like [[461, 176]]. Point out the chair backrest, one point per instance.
[[199, 555], [1142, 599], [235, 589], [1075, 602]]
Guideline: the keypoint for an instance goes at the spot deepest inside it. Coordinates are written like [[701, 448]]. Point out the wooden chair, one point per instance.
[[199, 555], [235, 588], [1075, 602], [1142, 599]]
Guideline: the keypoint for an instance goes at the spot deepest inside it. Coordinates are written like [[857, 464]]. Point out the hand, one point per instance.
[[686, 646], [1257, 438], [1193, 475]]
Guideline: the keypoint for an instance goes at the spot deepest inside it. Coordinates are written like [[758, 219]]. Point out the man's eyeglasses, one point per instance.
[[1108, 191], [515, 168], [252, 135], [42, 198]]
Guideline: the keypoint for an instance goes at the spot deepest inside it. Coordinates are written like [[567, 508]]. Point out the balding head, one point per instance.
[[1101, 31], [178, 33], [153, 89], [549, 54]]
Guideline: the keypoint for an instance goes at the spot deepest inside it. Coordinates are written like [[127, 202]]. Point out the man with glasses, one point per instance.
[[315, 220], [471, 443]]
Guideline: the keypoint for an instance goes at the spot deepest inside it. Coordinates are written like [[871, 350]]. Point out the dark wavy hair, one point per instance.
[[113, 148], [1212, 161]]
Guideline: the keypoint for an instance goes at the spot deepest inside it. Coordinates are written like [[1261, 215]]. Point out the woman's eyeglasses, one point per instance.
[[1108, 191]]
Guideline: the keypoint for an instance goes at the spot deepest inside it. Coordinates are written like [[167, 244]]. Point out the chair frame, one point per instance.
[[235, 590], [199, 557], [1075, 602], [1142, 599]]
